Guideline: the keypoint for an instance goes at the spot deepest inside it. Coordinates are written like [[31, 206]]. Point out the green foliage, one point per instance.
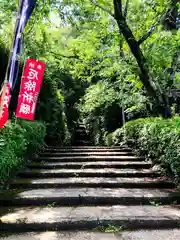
[[109, 229], [18, 139], [38, 42], [156, 138], [51, 110], [101, 108], [82, 47], [51, 205], [34, 133]]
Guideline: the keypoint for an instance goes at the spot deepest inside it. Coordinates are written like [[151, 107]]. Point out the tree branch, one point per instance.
[[122, 56], [135, 49], [147, 35], [159, 21], [102, 8], [152, 29], [126, 8], [64, 56], [118, 9]]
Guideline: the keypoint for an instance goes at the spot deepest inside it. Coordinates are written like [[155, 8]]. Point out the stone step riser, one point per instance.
[[85, 149], [86, 154], [130, 224], [84, 140], [84, 174], [80, 166], [80, 136], [89, 152], [92, 185], [88, 201], [80, 130], [79, 142], [80, 159], [97, 147]]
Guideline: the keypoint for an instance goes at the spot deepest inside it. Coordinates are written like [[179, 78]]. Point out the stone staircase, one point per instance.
[[81, 138], [93, 193]]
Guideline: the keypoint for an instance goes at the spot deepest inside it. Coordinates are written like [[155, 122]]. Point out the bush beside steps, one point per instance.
[[18, 139], [156, 138]]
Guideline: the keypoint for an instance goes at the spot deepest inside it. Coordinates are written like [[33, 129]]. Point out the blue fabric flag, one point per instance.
[[26, 9]]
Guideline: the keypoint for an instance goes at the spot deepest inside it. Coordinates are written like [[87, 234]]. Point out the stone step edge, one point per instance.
[[89, 149], [63, 174], [89, 201], [107, 163], [87, 158], [153, 184], [128, 224], [93, 165], [74, 146], [83, 153]]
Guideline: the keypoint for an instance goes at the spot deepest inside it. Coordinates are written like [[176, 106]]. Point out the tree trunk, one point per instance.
[[140, 59]]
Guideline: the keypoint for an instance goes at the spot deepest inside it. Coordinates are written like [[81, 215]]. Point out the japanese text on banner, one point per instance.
[[30, 88]]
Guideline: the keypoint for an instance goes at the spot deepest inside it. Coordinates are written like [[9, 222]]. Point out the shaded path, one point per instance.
[[87, 188]]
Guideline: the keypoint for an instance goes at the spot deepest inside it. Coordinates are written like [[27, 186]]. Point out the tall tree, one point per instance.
[[120, 16]]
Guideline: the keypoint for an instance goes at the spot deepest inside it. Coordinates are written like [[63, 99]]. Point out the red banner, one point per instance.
[[30, 88], [4, 104]]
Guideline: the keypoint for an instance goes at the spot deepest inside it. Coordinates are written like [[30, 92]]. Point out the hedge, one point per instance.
[[17, 140], [156, 138]]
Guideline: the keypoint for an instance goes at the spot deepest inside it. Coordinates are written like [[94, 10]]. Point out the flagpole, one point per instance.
[[16, 46], [6, 80], [12, 46]]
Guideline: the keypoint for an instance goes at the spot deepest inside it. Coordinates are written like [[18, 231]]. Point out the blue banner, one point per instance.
[[26, 9]]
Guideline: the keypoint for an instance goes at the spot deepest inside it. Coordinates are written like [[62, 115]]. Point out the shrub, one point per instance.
[[51, 110], [156, 138], [18, 139], [100, 110]]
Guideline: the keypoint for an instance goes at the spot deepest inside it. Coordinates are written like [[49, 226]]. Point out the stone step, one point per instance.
[[84, 218], [88, 148], [105, 233], [81, 134], [83, 165], [92, 182], [88, 196], [108, 153], [87, 158], [81, 150], [110, 172], [80, 130], [81, 126], [82, 142], [97, 147], [81, 137]]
